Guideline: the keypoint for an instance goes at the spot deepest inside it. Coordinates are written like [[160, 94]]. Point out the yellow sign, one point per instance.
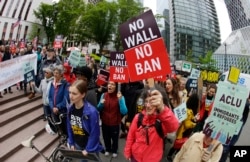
[[234, 74]]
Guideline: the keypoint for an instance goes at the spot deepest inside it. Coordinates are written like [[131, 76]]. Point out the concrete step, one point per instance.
[[16, 103], [43, 141], [24, 108]]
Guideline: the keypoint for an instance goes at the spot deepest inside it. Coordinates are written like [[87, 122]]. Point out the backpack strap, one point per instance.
[[140, 117]]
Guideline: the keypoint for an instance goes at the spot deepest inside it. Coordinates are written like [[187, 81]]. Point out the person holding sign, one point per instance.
[[143, 142], [186, 127], [206, 107], [111, 106], [200, 147]]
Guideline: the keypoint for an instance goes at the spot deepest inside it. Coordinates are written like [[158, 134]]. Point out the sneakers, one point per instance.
[[114, 155], [106, 154]]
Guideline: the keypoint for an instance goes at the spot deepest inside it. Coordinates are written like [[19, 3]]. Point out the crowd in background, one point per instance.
[[74, 91]]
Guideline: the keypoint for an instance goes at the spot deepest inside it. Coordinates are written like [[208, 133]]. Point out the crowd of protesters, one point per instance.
[[73, 91]]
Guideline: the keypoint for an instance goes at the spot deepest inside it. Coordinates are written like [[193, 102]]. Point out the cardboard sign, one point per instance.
[[224, 120], [148, 60], [74, 58], [118, 68], [186, 66], [192, 85], [139, 30], [145, 50], [119, 74], [195, 73], [103, 62], [234, 74], [30, 76], [181, 112], [117, 59], [58, 42], [102, 77]]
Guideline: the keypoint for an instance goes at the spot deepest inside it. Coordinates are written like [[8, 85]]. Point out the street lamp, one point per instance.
[[225, 58]]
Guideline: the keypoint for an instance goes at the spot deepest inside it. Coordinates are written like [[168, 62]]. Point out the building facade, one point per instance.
[[17, 18], [235, 51], [194, 28], [239, 13]]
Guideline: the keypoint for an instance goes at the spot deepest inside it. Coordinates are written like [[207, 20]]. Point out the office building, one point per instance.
[[239, 13], [194, 28]]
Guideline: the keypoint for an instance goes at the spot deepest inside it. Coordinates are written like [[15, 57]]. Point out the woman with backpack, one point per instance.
[[144, 144]]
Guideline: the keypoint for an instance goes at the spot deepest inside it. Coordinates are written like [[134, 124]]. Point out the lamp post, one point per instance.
[[225, 58]]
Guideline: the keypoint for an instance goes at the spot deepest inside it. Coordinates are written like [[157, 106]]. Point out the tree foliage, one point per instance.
[[208, 62], [45, 14], [126, 10]]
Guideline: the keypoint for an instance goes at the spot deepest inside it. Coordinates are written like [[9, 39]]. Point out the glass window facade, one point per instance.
[[235, 51], [239, 13], [194, 27]]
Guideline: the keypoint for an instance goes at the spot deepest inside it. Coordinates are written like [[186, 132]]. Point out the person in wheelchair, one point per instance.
[[82, 121]]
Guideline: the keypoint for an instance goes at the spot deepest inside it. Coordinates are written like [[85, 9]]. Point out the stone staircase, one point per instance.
[[20, 118]]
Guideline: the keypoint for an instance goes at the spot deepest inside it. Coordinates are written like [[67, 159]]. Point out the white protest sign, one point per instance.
[[74, 58], [12, 70], [181, 112], [224, 120], [195, 73]]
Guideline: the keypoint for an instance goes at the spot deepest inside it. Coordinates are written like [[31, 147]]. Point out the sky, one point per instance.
[[224, 22]]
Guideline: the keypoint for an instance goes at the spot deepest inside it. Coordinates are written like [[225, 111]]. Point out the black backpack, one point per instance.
[[157, 126]]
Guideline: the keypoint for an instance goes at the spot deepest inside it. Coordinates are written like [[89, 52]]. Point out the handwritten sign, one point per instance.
[[144, 48], [224, 120]]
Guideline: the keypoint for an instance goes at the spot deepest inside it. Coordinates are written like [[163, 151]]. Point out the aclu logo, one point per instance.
[[239, 153]]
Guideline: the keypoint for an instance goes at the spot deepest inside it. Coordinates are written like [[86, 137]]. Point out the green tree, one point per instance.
[[45, 14], [208, 62], [68, 15], [98, 22], [126, 10]]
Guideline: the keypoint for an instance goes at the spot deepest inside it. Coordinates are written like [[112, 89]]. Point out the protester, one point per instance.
[[82, 121], [206, 107], [44, 88], [143, 143], [111, 106], [226, 148], [67, 74], [7, 56], [37, 79], [50, 59], [131, 92], [85, 73], [199, 148], [172, 89], [182, 89], [186, 127], [58, 96]]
